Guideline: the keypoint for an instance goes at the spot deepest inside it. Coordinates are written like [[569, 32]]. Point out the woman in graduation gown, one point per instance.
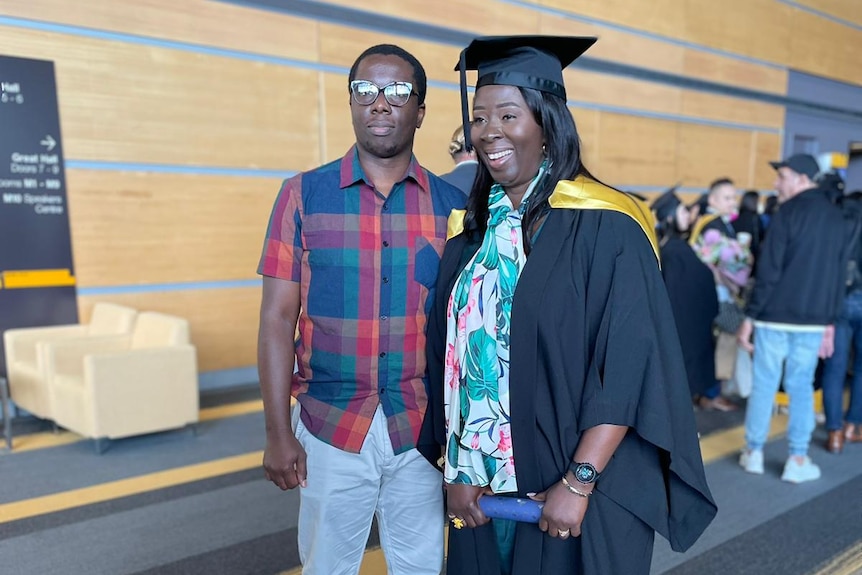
[[691, 289], [554, 366]]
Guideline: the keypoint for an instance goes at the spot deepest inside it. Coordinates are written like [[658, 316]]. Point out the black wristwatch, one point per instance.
[[585, 473]]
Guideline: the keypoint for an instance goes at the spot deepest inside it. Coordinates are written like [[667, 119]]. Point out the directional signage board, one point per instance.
[[37, 279]]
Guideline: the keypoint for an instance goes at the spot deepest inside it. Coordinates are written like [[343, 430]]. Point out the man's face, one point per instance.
[[722, 199], [788, 183], [383, 130]]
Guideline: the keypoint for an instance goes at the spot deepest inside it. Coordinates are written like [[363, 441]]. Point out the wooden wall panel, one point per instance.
[[843, 9], [735, 110], [341, 45], [705, 153], [204, 22], [146, 228], [442, 116], [826, 48], [610, 90], [618, 46], [767, 149], [636, 151], [627, 48], [121, 102], [224, 322], [482, 17], [659, 16], [709, 66], [755, 28], [587, 123]]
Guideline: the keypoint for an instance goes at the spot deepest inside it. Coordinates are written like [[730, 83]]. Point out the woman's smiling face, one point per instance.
[[507, 137]]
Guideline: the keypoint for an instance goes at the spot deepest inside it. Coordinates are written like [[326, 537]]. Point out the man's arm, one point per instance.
[[769, 268], [284, 458]]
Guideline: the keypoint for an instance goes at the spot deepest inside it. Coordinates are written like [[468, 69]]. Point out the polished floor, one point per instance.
[[183, 502]]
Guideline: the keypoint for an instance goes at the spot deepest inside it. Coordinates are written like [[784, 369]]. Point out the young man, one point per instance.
[[798, 295], [351, 257]]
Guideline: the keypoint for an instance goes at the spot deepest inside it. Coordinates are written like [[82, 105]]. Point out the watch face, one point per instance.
[[585, 473]]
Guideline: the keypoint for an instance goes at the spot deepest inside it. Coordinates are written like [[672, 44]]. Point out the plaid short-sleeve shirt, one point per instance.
[[367, 266]]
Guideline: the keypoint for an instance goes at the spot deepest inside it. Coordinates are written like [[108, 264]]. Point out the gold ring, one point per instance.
[[458, 523]]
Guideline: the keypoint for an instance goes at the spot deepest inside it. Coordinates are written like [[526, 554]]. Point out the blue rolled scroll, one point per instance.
[[511, 508]]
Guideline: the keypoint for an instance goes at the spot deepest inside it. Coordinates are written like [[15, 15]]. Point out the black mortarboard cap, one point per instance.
[[665, 204], [525, 61]]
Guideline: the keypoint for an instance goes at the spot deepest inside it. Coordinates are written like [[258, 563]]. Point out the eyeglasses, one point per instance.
[[365, 92]]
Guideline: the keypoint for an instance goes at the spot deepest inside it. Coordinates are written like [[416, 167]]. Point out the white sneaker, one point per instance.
[[800, 472], [752, 461]]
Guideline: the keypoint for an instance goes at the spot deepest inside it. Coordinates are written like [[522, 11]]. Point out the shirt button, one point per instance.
[[382, 390], [384, 317], [385, 280], [385, 207], [385, 244], [382, 354]]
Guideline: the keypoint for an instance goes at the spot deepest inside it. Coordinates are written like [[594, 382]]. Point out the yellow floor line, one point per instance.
[[713, 447], [724, 443], [126, 487], [231, 410], [847, 563], [373, 563], [46, 439]]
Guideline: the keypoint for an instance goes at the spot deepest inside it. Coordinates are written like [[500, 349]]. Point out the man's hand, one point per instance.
[[284, 462], [743, 336]]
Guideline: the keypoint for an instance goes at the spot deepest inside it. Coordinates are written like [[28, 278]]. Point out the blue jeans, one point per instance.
[[848, 330], [797, 352]]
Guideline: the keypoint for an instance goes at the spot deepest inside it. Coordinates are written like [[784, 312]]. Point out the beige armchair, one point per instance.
[[25, 366], [121, 386]]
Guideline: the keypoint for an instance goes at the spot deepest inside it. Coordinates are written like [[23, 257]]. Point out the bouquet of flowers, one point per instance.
[[730, 259]]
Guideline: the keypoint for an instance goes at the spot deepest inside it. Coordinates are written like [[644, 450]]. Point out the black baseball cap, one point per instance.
[[801, 164], [525, 61]]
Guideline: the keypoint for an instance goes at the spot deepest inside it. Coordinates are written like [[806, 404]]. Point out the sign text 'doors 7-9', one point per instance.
[[37, 279]]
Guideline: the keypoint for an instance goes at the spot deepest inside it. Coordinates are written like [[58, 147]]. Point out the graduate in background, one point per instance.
[[691, 288]]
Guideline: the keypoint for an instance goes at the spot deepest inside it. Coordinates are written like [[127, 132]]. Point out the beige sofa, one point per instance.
[[122, 386], [25, 366]]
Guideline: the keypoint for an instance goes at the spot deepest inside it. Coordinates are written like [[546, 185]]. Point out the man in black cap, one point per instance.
[[564, 383], [798, 296]]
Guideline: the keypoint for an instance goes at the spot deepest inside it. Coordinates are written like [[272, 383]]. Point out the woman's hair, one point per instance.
[[562, 150], [668, 227], [771, 205], [749, 201], [457, 143]]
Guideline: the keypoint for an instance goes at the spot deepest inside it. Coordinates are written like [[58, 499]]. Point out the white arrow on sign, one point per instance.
[[49, 142]]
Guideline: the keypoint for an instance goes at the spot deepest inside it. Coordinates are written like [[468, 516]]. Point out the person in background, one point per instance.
[[721, 207], [554, 361], [465, 163], [691, 287], [847, 427], [770, 206], [748, 222], [797, 297], [351, 257]]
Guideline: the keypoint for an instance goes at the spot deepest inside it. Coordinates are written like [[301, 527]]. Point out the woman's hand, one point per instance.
[[564, 511], [462, 503]]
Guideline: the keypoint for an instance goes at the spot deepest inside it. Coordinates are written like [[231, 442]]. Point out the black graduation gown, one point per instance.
[[691, 288], [593, 341]]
